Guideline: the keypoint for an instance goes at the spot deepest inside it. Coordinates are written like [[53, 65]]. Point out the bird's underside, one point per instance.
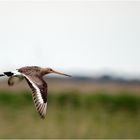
[[33, 75]]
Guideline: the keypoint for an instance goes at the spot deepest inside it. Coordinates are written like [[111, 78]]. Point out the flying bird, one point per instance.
[[34, 77]]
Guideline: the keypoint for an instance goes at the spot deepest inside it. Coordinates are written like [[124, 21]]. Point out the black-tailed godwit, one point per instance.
[[33, 76]]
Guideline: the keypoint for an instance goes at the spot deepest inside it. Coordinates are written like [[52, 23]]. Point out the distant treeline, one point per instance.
[[102, 78]]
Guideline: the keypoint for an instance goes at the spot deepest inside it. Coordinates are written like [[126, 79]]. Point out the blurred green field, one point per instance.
[[71, 115]]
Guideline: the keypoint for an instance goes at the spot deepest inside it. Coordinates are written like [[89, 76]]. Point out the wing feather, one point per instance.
[[38, 94]]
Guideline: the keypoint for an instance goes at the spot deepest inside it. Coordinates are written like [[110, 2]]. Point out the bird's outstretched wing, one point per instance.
[[39, 93], [13, 79]]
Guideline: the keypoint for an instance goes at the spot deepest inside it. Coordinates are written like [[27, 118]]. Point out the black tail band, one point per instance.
[[8, 73]]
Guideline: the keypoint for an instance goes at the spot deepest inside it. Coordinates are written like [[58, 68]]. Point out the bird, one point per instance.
[[34, 77]]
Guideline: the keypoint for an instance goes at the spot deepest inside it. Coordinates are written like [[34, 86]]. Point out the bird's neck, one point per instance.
[[44, 72]]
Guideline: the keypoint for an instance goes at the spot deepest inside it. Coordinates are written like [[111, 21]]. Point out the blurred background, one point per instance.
[[97, 42]]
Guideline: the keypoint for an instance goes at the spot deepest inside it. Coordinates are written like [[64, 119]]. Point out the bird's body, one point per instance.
[[32, 70], [33, 75]]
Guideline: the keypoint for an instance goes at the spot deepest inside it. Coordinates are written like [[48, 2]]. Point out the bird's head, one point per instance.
[[45, 71]]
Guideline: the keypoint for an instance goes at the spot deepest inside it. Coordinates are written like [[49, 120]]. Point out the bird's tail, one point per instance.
[[12, 77], [6, 74], [2, 75]]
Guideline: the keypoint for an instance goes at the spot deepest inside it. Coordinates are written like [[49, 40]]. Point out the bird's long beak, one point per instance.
[[60, 73]]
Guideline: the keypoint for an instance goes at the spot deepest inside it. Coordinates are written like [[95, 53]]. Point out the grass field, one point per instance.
[[71, 115]]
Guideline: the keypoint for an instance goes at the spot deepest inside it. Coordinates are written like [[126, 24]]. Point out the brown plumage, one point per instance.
[[33, 76]]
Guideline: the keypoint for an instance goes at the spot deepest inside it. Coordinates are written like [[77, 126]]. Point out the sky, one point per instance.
[[78, 37]]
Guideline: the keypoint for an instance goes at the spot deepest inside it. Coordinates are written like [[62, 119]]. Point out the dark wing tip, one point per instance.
[[41, 109]]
